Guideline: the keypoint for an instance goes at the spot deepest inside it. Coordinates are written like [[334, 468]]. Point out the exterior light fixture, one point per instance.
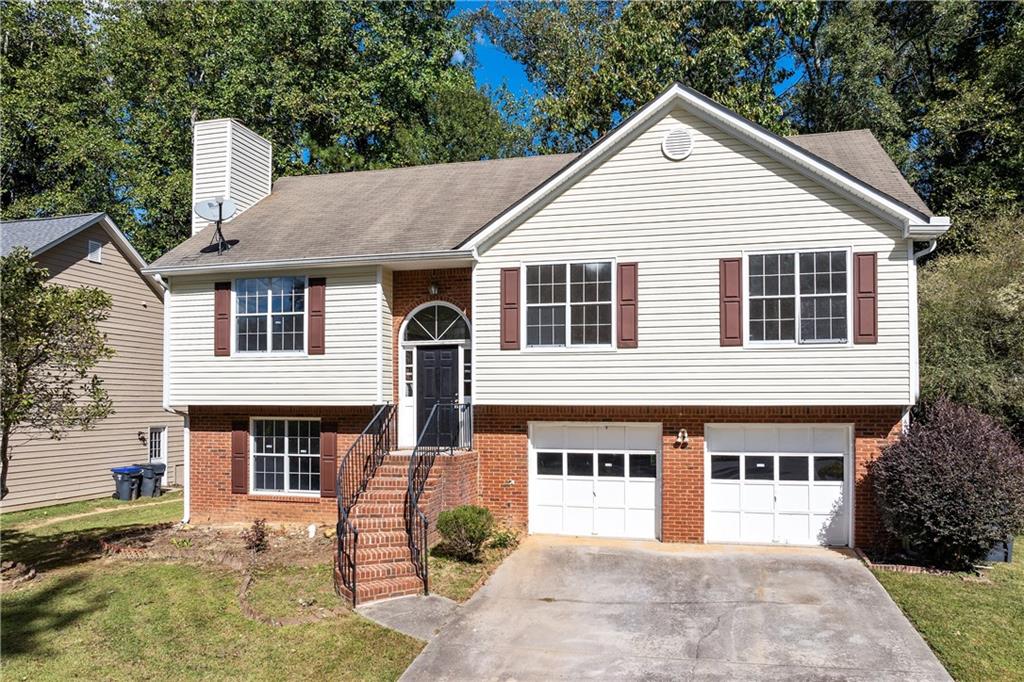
[[433, 289]]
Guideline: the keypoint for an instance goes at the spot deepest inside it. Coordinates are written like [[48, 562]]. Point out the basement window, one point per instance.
[[285, 456]]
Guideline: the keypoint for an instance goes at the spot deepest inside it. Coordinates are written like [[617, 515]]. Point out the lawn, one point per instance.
[[90, 617], [975, 628], [458, 580]]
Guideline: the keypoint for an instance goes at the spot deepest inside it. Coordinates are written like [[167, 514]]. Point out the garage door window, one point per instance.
[[643, 466], [581, 464], [828, 468], [760, 468], [725, 468], [549, 463], [793, 468], [611, 465]]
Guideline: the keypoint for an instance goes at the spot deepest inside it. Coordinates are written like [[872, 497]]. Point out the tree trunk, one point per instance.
[[5, 442]]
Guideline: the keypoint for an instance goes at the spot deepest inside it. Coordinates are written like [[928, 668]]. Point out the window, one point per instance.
[[156, 443], [270, 314], [286, 455], [467, 373], [800, 296], [643, 466], [95, 254], [611, 465], [549, 463], [725, 467], [569, 304]]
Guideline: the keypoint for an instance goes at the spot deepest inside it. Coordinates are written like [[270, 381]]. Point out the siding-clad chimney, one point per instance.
[[230, 161]]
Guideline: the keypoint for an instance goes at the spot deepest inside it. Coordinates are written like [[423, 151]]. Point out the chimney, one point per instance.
[[230, 161]]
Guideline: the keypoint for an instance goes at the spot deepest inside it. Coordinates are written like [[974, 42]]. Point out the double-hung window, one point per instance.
[[569, 304], [799, 296], [270, 314], [285, 455]]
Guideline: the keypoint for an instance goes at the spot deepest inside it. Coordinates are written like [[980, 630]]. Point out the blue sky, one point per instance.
[[495, 67]]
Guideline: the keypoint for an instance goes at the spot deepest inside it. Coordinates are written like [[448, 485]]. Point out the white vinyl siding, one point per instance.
[[387, 358], [676, 220], [229, 160], [346, 374]]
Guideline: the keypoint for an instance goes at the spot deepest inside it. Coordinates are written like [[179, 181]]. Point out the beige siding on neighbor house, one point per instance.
[[346, 374], [44, 471], [677, 219]]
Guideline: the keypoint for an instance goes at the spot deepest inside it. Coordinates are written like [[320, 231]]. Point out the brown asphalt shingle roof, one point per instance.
[[438, 207]]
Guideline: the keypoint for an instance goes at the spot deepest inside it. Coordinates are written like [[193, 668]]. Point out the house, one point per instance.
[[89, 250], [695, 331]]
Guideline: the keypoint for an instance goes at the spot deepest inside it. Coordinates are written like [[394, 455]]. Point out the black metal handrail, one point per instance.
[[354, 473], [448, 427]]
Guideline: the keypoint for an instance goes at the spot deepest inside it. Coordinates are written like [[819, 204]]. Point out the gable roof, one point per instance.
[[42, 234], [39, 234], [861, 155], [914, 222], [416, 209]]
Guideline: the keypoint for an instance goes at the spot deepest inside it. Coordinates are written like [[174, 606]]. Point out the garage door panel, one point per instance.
[[795, 527], [642, 494], [725, 439], [795, 440], [612, 522], [826, 499], [608, 438], [757, 498], [793, 498], [643, 438], [724, 496], [723, 526], [610, 493], [579, 493], [544, 437], [580, 437], [579, 520], [761, 439], [755, 527], [639, 522], [830, 440]]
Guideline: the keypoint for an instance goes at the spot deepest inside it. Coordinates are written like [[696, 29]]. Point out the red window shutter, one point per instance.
[[730, 302], [222, 318], [865, 298], [509, 308], [240, 456], [328, 458], [317, 299], [627, 305]]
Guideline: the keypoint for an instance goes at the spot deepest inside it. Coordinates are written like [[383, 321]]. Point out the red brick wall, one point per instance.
[[409, 289], [500, 437], [457, 484], [210, 475]]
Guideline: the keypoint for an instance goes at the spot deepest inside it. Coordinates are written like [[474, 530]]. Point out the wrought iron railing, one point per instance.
[[448, 427], [354, 473]]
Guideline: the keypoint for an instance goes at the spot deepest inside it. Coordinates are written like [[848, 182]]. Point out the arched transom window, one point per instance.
[[437, 323]]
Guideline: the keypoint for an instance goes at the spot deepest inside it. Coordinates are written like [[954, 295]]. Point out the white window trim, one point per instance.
[[796, 343], [569, 346], [161, 432], [94, 247], [268, 352], [253, 454]]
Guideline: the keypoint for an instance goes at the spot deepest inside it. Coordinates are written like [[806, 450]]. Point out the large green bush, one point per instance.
[[464, 530], [952, 486]]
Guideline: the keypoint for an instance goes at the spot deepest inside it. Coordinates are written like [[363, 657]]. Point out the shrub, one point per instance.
[[464, 530], [504, 539], [952, 486], [255, 537]]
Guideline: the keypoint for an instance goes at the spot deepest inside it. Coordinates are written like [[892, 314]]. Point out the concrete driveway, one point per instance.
[[562, 608]]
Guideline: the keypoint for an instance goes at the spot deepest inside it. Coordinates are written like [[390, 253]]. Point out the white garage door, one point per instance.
[[595, 479], [777, 484]]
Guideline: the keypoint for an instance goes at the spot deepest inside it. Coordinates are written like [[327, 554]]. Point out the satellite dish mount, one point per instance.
[[217, 209]]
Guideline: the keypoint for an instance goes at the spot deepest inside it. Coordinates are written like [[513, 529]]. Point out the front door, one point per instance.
[[437, 381]]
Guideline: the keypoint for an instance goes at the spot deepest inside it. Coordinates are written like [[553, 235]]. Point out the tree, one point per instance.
[[336, 86], [597, 62], [51, 341], [972, 323]]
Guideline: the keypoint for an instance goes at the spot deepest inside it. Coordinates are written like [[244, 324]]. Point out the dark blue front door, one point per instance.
[[437, 381]]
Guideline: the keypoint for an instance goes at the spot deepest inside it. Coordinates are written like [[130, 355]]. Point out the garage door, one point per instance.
[[777, 484], [595, 479]]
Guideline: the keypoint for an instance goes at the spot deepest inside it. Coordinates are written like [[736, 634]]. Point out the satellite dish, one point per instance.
[[215, 209]]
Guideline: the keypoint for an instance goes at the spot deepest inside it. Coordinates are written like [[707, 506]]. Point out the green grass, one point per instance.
[[458, 580], [123, 620], [975, 628], [18, 518]]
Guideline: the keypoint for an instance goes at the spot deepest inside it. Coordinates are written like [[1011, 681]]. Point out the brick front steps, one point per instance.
[[384, 568]]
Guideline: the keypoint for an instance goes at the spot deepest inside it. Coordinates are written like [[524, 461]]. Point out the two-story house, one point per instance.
[[90, 250], [695, 331]]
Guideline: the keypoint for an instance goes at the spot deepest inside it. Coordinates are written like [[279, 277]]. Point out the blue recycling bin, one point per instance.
[[126, 482]]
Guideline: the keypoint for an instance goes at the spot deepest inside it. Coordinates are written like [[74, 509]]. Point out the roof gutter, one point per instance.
[[936, 226], [307, 263]]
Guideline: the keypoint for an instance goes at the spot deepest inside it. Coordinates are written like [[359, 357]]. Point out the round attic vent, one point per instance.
[[678, 143]]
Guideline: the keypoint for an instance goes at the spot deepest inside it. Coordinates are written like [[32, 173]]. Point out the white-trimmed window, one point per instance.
[[800, 296], [285, 456], [270, 314], [157, 434], [569, 304], [95, 253]]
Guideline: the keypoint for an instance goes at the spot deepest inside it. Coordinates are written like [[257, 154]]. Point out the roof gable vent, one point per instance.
[[678, 143]]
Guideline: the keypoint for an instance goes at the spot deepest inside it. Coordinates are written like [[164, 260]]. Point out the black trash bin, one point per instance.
[[151, 475], [159, 470], [126, 482]]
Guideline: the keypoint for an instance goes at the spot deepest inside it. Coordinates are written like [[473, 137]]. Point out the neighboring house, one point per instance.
[[695, 331], [89, 250]]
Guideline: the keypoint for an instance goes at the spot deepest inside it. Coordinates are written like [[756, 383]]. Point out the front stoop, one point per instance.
[[384, 568]]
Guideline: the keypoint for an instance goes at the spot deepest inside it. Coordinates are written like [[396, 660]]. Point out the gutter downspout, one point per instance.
[[932, 245], [166, 403], [917, 256]]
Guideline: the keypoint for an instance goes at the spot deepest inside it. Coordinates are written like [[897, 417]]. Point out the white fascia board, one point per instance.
[[423, 258], [911, 222]]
